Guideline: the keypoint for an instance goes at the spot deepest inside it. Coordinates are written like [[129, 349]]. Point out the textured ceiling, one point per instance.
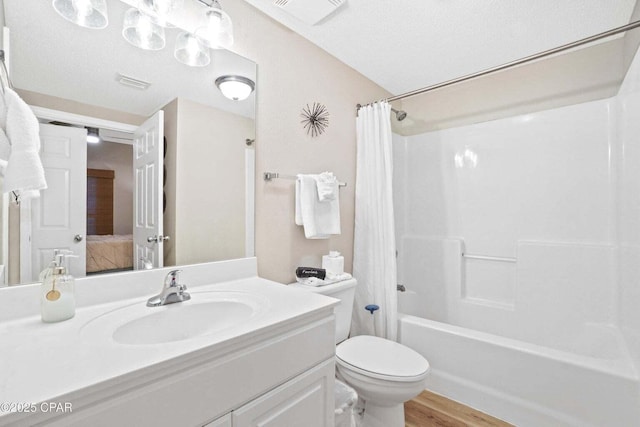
[[53, 56], [401, 45], [408, 44]]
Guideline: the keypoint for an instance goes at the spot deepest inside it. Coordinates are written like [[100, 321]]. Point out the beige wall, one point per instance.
[[118, 158], [292, 72], [61, 104], [586, 74], [14, 244], [206, 209], [169, 217]]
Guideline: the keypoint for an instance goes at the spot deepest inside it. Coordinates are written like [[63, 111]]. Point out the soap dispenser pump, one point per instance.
[[57, 296]]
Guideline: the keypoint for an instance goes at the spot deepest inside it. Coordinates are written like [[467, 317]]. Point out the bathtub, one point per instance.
[[528, 384]]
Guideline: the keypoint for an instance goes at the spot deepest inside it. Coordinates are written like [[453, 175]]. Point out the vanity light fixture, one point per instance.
[[93, 135], [142, 31], [161, 10], [191, 51], [218, 30], [85, 13], [237, 88]]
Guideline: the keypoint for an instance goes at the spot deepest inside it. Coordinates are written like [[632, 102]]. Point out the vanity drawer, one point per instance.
[[199, 394]]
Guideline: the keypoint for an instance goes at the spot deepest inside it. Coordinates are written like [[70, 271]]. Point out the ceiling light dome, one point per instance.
[[191, 51], [86, 13], [93, 135], [237, 88], [142, 31]]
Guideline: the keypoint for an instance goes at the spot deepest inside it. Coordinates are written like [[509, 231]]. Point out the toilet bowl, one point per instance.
[[384, 373]]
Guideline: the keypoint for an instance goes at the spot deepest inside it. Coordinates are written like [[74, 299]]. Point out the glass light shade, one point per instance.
[[165, 7], [218, 32], [160, 10], [86, 13], [237, 88], [140, 30], [191, 51]]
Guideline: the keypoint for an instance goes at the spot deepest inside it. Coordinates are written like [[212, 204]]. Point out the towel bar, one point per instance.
[[489, 258], [268, 176]]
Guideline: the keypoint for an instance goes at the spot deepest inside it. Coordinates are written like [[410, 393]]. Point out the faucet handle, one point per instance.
[[172, 278]]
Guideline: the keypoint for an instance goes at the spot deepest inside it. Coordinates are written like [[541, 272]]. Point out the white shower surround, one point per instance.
[[555, 336]]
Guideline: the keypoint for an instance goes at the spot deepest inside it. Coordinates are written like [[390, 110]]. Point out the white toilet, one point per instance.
[[385, 374]]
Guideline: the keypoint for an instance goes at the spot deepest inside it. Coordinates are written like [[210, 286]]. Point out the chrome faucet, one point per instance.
[[172, 291]]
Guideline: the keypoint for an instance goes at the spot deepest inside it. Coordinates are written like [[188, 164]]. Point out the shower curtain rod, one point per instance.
[[515, 63]]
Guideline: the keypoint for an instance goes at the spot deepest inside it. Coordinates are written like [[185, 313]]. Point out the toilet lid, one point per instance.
[[382, 357]]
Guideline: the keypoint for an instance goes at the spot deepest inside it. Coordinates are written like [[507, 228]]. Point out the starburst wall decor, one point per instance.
[[315, 119]]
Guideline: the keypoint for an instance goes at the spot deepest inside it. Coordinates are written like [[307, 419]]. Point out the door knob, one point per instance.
[[157, 239], [77, 238]]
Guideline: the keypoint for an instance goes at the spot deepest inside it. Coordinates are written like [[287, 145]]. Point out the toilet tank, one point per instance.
[[344, 291]]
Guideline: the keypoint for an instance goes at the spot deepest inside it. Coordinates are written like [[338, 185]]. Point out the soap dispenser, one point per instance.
[[57, 296]]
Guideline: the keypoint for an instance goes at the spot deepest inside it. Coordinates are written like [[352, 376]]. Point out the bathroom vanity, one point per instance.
[[243, 351]]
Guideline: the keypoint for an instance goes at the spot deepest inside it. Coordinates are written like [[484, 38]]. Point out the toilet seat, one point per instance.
[[383, 359]]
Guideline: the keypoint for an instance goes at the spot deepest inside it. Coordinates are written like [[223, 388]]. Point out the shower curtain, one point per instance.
[[374, 258]]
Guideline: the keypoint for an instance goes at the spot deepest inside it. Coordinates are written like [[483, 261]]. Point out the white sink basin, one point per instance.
[[205, 313]]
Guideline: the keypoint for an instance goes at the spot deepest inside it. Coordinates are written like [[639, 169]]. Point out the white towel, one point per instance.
[[24, 172], [5, 147], [327, 186], [319, 219]]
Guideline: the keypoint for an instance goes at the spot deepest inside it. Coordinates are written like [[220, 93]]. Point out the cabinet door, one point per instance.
[[224, 421], [306, 400]]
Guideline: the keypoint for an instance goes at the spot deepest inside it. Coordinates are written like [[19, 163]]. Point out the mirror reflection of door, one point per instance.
[[147, 199], [56, 219]]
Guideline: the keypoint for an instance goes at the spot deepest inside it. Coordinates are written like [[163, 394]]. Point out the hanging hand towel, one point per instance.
[[327, 186], [319, 219], [24, 172]]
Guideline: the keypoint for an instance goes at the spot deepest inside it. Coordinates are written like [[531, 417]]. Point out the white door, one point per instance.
[[147, 193], [58, 218]]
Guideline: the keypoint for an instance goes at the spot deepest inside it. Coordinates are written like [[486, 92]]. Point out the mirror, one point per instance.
[[79, 80]]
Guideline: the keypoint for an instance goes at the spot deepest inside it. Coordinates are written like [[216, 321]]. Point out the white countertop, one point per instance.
[[40, 362]]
